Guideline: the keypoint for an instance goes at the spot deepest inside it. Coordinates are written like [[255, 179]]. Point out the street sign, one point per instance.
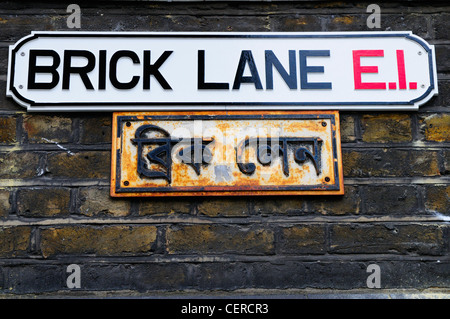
[[226, 153], [143, 71]]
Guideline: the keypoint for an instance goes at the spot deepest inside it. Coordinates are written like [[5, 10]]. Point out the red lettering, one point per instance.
[[401, 70], [358, 70]]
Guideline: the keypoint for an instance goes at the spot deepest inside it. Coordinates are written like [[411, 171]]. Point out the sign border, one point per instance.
[[177, 106], [331, 189]]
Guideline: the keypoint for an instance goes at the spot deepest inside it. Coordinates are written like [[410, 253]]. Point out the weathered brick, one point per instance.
[[164, 22], [446, 160], [158, 276], [390, 200], [17, 25], [283, 271], [440, 100], [437, 199], [14, 241], [440, 25], [3, 57], [390, 162], [422, 239], [96, 202], [340, 273], [417, 23], [8, 130], [295, 22], [347, 124], [223, 207], [345, 22], [436, 127], [164, 207], [43, 202], [7, 103], [220, 23], [218, 239], [85, 164], [101, 241], [386, 128], [279, 205], [47, 129], [302, 239], [349, 203], [96, 129], [15, 165], [442, 53], [228, 275], [4, 203]]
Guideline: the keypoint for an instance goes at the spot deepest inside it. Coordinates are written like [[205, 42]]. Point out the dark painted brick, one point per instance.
[[422, 239], [85, 164], [233, 275], [300, 275], [446, 160], [390, 200], [440, 25], [17, 26], [204, 239], [43, 202], [96, 129], [212, 277], [34, 278], [349, 203], [442, 54], [440, 100], [3, 59], [7, 103], [415, 22], [154, 276], [390, 162]]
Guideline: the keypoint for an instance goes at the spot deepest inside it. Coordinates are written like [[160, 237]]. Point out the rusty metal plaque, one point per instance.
[[226, 153]]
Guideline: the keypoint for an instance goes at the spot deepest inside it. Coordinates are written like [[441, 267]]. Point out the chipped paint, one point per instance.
[[226, 153]]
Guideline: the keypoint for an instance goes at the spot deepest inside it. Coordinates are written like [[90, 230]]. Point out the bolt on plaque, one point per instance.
[[226, 153]]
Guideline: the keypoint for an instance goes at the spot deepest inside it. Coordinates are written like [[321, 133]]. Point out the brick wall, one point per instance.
[[55, 207]]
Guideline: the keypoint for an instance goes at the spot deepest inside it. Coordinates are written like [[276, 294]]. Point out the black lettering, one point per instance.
[[51, 69], [247, 57], [81, 70], [201, 85], [305, 69], [272, 60], [102, 70], [153, 69], [113, 70]]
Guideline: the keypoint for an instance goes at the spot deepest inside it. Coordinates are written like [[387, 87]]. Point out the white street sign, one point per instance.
[[131, 71]]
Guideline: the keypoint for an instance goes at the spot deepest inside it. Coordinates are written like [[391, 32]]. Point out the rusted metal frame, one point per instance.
[[243, 189]]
